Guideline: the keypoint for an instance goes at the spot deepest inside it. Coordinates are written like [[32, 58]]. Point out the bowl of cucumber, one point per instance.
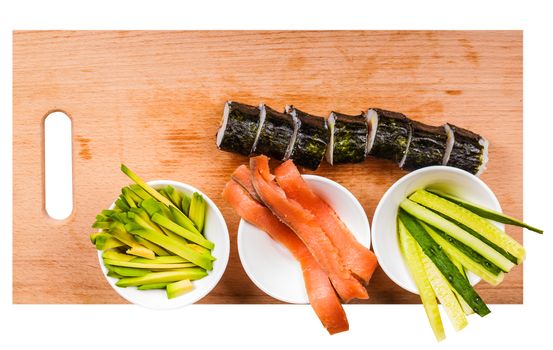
[[162, 244], [407, 193]]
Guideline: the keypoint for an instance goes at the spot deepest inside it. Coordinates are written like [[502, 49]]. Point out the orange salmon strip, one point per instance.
[[357, 258], [243, 176], [305, 225], [321, 294]]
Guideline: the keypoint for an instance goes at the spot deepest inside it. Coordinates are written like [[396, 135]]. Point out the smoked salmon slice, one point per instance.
[[356, 257], [306, 227], [321, 294], [243, 176]]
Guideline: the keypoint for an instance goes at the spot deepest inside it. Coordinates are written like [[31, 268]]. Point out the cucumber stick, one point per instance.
[[466, 308], [442, 262], [466, 250], [497, 248], [435, 220], [485, 212], [445, 294], [471, 220], [411, 253], [470, 264]]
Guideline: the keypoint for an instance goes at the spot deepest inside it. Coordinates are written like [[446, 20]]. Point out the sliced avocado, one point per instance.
[[149, 266], [114, 274], [129, 271], [192, 273], [114, 255], [171, 259], [179, 288], [152, 286], [141, 251]]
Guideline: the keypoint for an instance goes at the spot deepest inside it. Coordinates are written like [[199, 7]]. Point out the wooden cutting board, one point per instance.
[[153, 100]]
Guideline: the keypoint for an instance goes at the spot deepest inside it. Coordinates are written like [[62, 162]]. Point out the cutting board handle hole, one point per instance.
[[58, 165]]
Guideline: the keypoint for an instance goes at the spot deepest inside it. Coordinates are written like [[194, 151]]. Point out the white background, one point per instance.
[[289, 326]]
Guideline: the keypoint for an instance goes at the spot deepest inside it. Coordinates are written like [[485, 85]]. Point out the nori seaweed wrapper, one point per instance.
[[469, 151], [427, 146], [311, 140], [276, 134], [241, 128], [350, 138], [392, 135]]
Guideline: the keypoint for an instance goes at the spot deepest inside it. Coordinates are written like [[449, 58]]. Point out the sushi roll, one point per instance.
[[311, 139], [390, 133], [348, 138], [276, 134], [427, 147], [469, 151], [239, 128]]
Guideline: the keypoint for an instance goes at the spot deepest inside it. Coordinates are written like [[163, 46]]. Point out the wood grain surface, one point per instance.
[[154, 99]]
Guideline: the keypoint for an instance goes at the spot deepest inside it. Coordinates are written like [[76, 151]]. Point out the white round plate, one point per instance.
[[215, 230], [272, 268], [384, 224]]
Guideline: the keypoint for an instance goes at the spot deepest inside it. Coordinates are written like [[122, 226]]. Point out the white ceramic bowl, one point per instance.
[[272, 268], [215, 230], [384, 225]]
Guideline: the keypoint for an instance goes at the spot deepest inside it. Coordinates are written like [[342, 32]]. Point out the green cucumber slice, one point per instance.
[[442, 262], [410, 251], [454, 250], [471, 220], [445, 294], [483, 211], [435, 220]]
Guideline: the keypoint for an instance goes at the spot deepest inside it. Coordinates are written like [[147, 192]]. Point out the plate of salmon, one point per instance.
[[302, 238]]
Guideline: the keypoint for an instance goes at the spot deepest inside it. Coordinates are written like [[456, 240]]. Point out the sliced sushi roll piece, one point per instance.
[[348, 138], [311, 139], [239, 128], [427, 147], [469, 151], [389, 136], [276, 134]]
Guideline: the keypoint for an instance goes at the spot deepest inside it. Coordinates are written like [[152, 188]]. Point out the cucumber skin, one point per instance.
[[485, 212], [442, 262]]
